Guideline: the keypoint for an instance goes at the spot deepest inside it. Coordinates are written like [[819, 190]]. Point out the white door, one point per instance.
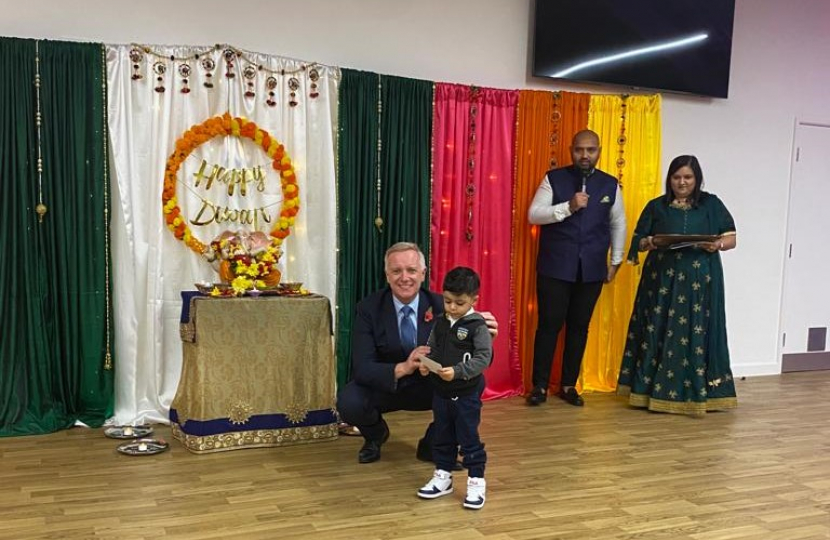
[[805, 316]]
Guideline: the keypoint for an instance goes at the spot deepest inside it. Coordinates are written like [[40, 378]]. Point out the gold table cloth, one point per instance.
[[256, 372]]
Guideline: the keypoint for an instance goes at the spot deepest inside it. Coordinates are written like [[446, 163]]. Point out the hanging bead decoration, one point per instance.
[[136, 57], [250, 74], [470, 190], [236, 60], [107, 254], [622, 139], [208, 65], [293, 85], [41, 208], [230, 56], [159, 68], [313, 76], [184, 72], [555, 121], [378, 217], [271, 85]]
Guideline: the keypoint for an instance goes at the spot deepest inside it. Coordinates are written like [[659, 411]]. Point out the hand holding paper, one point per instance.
[[430, 364]]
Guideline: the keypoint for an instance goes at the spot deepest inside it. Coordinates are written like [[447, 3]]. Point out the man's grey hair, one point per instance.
[[404, 246]]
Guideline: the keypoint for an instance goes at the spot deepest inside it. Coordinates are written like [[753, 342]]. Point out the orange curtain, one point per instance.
[[629, 130], [547, 121]]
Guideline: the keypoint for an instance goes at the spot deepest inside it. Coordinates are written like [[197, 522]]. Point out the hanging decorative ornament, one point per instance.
[[621, 139], [41, 208], [229, 56], [555, 118], [379, 186], [250, 74], [271, 85], [313, 76], [159, 68], [208, 65], [470, 190], [293, 85], [136, 57], [184, 72]]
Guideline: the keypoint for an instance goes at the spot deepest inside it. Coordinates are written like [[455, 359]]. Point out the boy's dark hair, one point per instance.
[[462, 280]]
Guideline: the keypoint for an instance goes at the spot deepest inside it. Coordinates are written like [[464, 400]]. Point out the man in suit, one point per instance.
[[389, 331]]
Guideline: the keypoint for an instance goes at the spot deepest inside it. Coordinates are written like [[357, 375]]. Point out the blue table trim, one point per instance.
[[186, 296]]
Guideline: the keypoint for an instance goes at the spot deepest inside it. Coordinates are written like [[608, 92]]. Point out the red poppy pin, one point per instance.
[[428, 314]]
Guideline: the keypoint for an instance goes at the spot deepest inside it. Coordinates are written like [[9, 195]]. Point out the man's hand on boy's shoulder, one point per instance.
[[491, 322]]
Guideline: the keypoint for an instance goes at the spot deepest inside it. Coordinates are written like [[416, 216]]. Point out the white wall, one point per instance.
[[780, 71]]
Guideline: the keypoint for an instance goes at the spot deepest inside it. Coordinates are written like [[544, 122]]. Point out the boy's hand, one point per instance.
[[424, 370], [447, 373]]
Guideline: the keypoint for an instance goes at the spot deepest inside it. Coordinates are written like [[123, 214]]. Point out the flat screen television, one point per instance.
[[670, 45]]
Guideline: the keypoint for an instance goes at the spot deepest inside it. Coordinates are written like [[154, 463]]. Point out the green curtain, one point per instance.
[[401, 121], [54, 280]]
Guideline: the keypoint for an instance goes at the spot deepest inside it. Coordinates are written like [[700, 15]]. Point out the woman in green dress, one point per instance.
[[676, 356]]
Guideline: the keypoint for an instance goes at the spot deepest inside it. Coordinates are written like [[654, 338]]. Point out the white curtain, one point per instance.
[[151, 267]]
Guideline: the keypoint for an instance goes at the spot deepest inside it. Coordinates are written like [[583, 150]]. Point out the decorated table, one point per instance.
[[256, 372]]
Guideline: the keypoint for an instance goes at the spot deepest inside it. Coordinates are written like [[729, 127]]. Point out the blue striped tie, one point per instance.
[[407, 329]]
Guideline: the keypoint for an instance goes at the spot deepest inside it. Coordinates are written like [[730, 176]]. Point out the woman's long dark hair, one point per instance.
[[692, 163]]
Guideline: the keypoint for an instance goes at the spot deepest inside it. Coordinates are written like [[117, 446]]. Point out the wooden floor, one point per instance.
[[761, 472]]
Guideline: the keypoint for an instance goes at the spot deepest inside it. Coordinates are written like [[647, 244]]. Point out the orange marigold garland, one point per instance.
[[227, 125]]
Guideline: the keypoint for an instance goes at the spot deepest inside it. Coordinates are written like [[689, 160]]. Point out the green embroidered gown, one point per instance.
[[676, 356]]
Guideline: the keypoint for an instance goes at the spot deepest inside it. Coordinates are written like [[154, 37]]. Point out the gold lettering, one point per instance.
[[231, 178], [242, 179], [201, 174], [236, 181], [225, 176], [198, 219], [259, 178], [227, 214], [210, 213], [248, 217]]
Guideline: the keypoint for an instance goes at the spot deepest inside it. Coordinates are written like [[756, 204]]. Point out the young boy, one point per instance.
[[461, 344]]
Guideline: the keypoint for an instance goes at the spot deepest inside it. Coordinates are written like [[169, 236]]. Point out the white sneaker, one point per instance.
[[476, 489], [439, 485]]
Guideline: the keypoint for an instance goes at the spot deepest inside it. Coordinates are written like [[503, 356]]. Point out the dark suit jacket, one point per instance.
[[376, 343]]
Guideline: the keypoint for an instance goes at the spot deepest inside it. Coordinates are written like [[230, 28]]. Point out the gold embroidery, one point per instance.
[[240, 412], [260, 438], [296, 413], [689, 407]]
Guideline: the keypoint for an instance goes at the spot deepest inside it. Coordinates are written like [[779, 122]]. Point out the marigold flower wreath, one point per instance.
[[227, 125]]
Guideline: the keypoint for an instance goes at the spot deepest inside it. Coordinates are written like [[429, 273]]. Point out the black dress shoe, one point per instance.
[[537, 396], [571, 397], [370, 451], [424, 453]]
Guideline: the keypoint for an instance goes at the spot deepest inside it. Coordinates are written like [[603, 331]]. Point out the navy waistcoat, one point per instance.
[[583, 239]]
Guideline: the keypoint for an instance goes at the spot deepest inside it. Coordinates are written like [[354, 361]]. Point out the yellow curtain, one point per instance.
[[629, 130], [547, 121]]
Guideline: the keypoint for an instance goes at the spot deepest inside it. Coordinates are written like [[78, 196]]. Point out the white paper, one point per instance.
[[431, 364]]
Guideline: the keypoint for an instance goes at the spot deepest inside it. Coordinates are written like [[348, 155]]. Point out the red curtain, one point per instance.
[[473, 151]]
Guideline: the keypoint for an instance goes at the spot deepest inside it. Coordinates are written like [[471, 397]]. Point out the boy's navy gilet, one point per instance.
[[452, 348]]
